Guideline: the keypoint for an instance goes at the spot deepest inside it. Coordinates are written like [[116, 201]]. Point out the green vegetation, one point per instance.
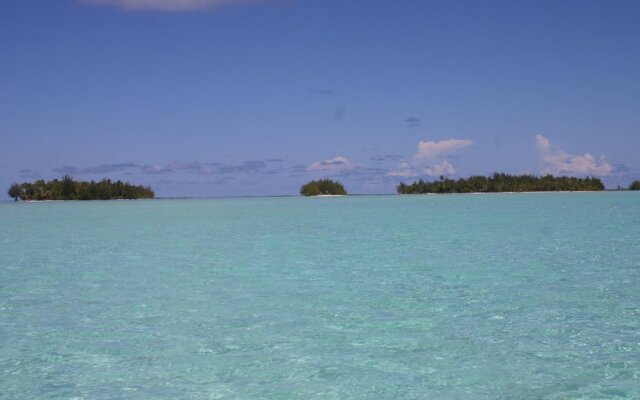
[[68, 189], [635, 185], [15, 191], [323, 186], [502, 183]]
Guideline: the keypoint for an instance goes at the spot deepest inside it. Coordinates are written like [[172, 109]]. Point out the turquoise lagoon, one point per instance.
[[520, 296]]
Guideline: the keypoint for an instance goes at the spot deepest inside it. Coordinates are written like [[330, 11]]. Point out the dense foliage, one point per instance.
[[502, 183], [322, 186], [68, 189], [635, 185], [14, 191]]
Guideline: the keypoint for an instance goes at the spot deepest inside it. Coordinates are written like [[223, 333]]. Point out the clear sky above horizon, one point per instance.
[[229, 97]]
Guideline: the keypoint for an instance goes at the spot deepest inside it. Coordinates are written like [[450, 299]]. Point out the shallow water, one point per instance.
[[365, 297]]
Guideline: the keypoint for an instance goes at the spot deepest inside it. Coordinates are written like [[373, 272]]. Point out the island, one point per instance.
[[69, 189], [635, 185], [500, 182], [323, 187]]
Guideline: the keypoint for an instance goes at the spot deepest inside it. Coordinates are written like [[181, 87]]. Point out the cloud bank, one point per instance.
[[429, 159], [557, 162], [99, 170], [333, 165], [269, 166], [443, 168], [169, 5], [404, 170], [431, 150], [214, 168]]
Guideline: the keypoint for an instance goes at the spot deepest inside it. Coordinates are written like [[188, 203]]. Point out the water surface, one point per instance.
[[364, 297]]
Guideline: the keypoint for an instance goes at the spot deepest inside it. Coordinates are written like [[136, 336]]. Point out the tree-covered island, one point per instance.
[[322, 187], [69, 189], [499, 182], [635, 185]]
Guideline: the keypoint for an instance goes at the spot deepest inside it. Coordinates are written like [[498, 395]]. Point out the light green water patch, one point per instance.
[[364, 297]]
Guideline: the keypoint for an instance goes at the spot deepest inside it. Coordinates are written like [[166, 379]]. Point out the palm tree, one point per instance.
[[15, 191]]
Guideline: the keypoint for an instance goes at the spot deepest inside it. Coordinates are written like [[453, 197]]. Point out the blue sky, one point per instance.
[[228, 97]]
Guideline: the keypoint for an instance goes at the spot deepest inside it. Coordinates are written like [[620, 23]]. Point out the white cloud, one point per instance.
[[542, 142], [557, 162], [430, 150], [443, 168], [404, 171], [332, 165], [168, 5], [429, 159]]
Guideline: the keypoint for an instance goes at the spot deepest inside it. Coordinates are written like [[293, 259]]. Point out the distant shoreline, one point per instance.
[[299, 196], [80, 201], [69, 189]]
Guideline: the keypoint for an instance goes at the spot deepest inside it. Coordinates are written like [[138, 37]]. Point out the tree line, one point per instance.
[[322, 186], [69, 189], [500, 182]]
